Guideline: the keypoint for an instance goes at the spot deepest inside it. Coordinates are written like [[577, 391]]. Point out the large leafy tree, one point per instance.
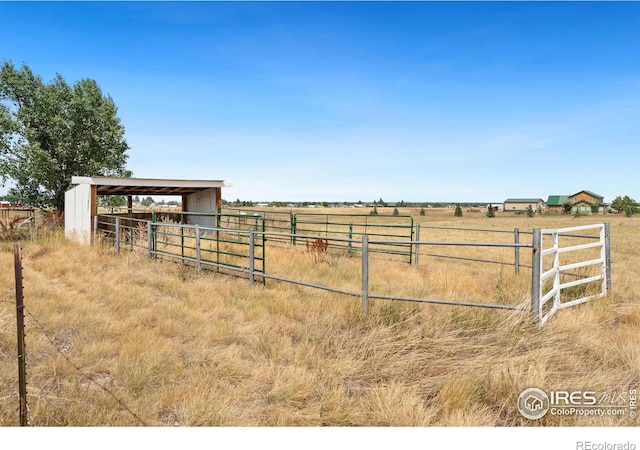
[[626, 204], [50, 132]]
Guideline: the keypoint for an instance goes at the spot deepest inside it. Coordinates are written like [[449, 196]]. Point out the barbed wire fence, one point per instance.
[[22, 354]]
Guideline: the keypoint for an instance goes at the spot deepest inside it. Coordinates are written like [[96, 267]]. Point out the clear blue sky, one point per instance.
[[348, 101]]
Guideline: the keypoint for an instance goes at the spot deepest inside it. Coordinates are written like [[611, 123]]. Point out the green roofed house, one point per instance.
[[555, 203], [522, 204], [583, 201]]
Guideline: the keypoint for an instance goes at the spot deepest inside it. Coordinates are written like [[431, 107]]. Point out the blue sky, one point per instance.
[[348, 101]]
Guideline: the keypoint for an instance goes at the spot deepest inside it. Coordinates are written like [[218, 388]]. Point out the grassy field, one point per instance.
[[122, 341]]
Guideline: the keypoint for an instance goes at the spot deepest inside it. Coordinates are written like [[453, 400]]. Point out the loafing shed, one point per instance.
[[81, 201]]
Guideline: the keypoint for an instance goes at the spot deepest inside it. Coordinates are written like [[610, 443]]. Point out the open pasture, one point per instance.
[[112, 336]]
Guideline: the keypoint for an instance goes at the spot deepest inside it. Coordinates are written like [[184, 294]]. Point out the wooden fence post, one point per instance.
[[22, 364]]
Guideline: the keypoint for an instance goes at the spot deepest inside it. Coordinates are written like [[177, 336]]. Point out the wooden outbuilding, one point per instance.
[[81, 201]]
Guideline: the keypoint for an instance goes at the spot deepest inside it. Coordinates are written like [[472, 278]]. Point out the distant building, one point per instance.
[[555, 203], [582, 201], [522, 204]]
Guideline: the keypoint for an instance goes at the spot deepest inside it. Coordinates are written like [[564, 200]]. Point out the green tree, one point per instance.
[[50, 132], [625, 204], [395, 211], [628, 211], [458, 211], [530, 211], [114, 201], [567, 207], [147, 201], [374, 211], [422, 212]]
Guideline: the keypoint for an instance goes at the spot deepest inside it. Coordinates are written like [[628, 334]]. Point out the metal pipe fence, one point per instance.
[[235, 250], [351, 226], [163, 244], [216, 247]]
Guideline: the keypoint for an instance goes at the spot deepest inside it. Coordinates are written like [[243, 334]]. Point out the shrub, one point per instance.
[[10, 229], [317, 249]]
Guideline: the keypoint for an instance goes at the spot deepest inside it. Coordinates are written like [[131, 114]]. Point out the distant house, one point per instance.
[[583, 201], [4, 204], [522, 204], [555, 203]]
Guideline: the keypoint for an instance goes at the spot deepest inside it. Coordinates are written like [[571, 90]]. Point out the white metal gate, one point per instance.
[[554, 277]]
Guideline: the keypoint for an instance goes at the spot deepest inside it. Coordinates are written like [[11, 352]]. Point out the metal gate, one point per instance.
[[566, 271]]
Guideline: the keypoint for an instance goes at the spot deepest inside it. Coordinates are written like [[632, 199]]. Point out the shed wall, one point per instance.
[[204, 201], [77, 218]]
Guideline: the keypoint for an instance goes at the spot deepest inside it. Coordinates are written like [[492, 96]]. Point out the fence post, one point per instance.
[[95, 229], [22, 354], [536, 267], [117, 235], [516, 240], [607, 256], [252, 249], [350, 237], [198, 255], [417, 243], [365, 273], [150, 239], [294, 226]]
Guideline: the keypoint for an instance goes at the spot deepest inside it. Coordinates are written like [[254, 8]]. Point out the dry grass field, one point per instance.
[[124, 341]]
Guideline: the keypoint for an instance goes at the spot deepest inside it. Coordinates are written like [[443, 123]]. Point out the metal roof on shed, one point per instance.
[[557, 200], [148, 186], [523, 200]]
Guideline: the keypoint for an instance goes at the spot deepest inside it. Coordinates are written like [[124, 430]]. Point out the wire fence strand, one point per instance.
[[79, 370]]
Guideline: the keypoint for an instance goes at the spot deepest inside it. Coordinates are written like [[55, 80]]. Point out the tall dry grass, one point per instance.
[[122, 341]]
